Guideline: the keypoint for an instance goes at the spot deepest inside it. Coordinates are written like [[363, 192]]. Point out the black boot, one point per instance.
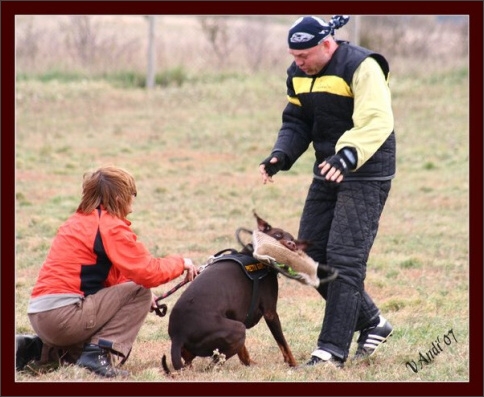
[[29, 347], [98, 360]]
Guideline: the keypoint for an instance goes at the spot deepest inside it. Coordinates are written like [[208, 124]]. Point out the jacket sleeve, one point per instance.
[[131, 259], [294, 135], [372, 116]]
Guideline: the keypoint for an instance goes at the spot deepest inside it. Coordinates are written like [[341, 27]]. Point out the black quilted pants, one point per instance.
[[341, 221]]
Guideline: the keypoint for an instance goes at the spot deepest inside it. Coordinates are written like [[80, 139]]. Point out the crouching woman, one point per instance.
[[93, 293]]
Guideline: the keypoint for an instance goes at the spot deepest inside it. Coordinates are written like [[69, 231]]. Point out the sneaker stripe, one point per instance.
[[374, 336], [375, 342], [372, 345]]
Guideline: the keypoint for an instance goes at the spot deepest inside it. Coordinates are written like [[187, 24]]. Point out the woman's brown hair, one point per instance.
[[109, 186]]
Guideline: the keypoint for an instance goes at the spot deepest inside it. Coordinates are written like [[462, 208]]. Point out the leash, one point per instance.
[[247, 246], [161, 309]]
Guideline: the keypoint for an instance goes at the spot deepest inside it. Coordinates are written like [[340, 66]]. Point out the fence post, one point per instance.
[[150, 72], [356, 29]]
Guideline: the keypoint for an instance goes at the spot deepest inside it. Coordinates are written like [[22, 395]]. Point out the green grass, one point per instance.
[[195, 150]]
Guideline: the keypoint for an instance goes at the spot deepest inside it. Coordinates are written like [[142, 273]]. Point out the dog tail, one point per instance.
[[164, 365]]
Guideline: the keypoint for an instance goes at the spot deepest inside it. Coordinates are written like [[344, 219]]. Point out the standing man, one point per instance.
[[340, 101]]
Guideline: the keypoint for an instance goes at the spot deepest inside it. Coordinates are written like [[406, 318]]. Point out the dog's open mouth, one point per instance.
[[293, 264]]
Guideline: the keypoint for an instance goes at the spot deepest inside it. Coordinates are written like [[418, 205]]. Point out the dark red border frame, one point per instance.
[[11, 8]]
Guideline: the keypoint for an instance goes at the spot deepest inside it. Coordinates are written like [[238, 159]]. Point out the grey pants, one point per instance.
[[111, 317]]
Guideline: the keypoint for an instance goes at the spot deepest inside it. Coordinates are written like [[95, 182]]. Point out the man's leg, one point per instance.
[[353, 230]]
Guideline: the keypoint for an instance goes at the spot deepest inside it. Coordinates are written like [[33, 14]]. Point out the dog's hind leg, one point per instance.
[[176, 354], [187, 357], [228, 340], [244, 357]]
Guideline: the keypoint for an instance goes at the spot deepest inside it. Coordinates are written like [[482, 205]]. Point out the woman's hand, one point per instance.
[[153, 301], [191, 271]]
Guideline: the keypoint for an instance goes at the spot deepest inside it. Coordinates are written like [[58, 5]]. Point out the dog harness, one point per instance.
[[253, 269]]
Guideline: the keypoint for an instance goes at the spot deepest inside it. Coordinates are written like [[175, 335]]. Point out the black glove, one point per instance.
[[272, 169], [344, 161]]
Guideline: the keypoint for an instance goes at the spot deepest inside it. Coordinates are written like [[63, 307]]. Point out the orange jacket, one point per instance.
[[94, 251]]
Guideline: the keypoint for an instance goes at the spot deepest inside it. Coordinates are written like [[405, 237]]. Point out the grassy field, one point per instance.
[[195, 150]]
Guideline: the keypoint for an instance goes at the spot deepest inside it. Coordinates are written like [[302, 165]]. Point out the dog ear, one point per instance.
[[262, 225]]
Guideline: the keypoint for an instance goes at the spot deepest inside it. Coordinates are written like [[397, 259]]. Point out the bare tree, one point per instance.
[[94, 48], [253, 36], [27, 44], [82, 38], [216, 31]]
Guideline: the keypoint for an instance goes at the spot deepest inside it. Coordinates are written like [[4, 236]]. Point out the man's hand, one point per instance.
[[271, 166], [336, 167]]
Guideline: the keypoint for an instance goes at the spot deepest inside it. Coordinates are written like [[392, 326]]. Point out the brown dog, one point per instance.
[[213, 313]]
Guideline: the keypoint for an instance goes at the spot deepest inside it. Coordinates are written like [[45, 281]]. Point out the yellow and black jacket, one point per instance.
[[347, 104]]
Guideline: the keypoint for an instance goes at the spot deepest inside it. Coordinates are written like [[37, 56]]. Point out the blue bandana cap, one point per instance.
[[309, 31]]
